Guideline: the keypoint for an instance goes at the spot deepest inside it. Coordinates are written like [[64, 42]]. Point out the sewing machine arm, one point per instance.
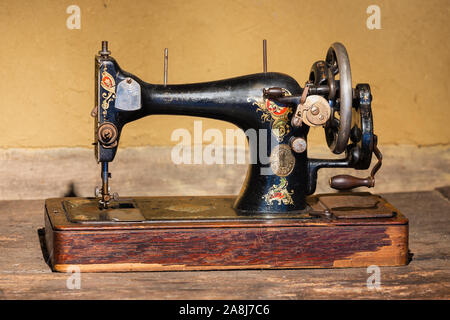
[[270, 101]]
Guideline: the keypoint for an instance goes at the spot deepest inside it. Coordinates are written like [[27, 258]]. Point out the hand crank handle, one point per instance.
[[346, 182]]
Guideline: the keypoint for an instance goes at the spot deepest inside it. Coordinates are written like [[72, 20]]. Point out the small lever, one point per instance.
[[346, 182], [297, 120], [273, 93]]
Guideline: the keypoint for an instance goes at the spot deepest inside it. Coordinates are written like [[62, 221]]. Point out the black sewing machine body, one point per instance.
[[276, 221], [240, 101]]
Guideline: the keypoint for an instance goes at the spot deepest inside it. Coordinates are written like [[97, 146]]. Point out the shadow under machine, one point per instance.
[[276, 221]]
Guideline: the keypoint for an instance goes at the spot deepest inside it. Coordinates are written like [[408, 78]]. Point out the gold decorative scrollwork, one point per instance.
[[277, 115], [109, 84], [279, 193]]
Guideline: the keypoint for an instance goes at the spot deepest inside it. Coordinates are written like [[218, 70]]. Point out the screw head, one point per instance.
[[314, 110], [298, 144]]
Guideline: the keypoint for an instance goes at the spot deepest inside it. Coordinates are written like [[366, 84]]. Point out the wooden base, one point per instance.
[[183, 239]]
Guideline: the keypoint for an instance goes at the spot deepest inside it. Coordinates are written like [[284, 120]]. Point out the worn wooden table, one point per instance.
[[25, 275]]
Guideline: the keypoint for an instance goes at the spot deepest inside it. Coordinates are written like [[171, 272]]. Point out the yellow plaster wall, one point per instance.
[[47, 89]]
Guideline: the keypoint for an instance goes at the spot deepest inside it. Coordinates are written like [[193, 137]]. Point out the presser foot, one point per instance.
[[105, 198], [206, 233]]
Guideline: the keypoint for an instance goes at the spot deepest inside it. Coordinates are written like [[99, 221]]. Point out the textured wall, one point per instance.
[[46, 92]]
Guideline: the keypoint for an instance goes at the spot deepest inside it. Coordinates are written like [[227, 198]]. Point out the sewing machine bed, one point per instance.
[[205, 233]]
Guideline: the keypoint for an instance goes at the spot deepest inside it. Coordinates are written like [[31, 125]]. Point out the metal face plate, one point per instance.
[[128, 95], [282, 161]]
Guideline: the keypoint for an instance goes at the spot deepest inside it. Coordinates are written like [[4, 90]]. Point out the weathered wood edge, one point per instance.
[[392, 253]]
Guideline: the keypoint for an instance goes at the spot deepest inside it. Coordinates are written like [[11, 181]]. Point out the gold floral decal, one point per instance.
[[275, 114], [109, 85], [279, 193]]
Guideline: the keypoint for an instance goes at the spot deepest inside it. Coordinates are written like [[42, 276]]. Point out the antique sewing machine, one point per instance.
[[276, 221]]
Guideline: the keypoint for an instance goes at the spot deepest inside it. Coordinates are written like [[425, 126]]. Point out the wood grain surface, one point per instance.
[[25, 275], [222, 239]]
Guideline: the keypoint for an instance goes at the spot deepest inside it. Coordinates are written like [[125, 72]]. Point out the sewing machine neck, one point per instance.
[[278, 179]]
